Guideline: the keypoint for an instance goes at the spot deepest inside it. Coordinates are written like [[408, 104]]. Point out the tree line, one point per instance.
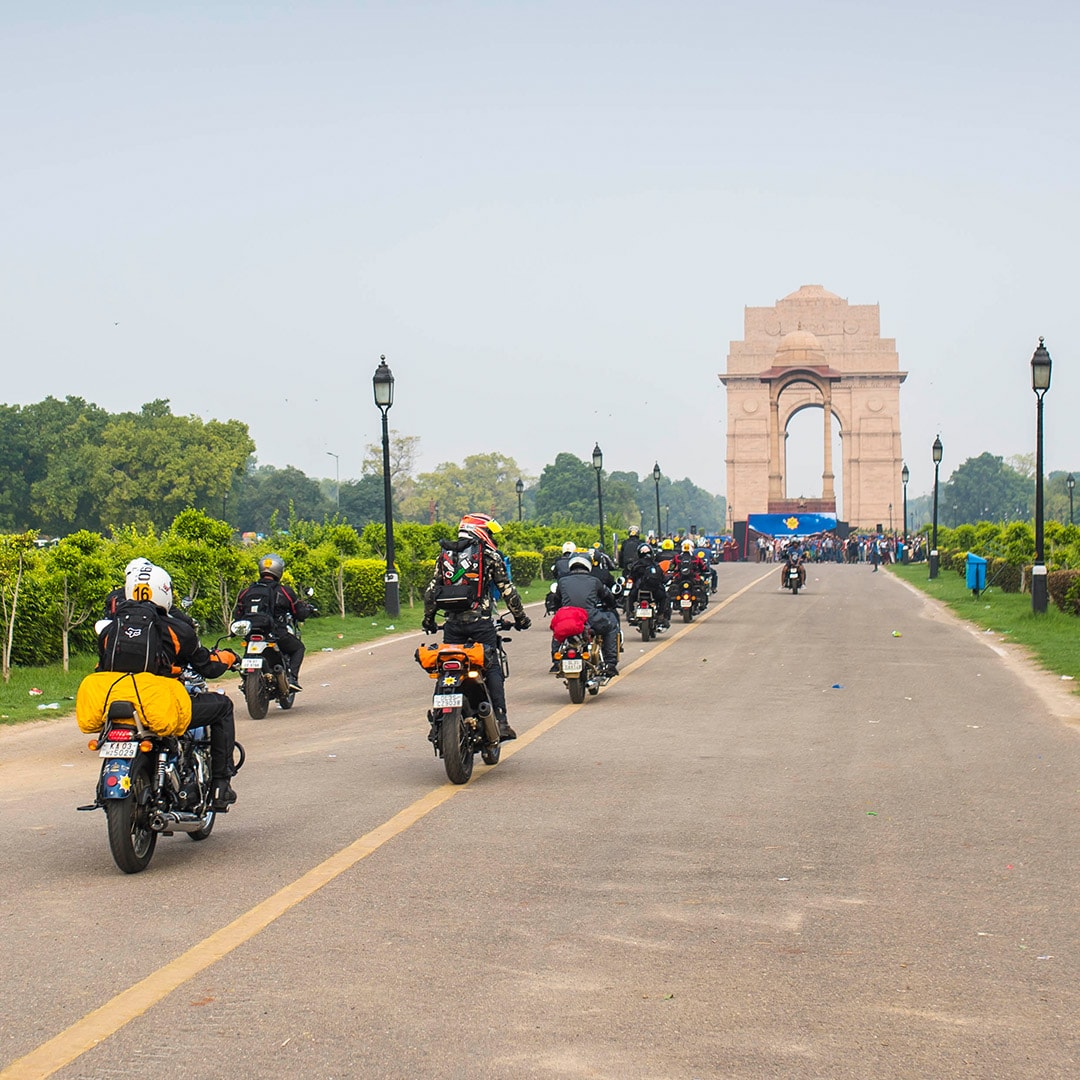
[[69, 465]]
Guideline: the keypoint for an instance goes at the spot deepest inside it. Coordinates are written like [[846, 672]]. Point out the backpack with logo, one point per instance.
[[260, 604], [133, 640], [459, 577]]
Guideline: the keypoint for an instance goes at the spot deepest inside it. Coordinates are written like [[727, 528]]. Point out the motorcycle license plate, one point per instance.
[[684, 602], [793, 576], [644, 612], [118, 749], [447, 701], [571, 665], [251, 663]]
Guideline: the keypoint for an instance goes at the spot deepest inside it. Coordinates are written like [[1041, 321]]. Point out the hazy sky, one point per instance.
[[548, 216]]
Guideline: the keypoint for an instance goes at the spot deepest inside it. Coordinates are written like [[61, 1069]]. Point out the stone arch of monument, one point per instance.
[[814, 350]]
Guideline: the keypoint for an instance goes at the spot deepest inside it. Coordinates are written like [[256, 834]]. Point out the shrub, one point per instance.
[[547, 561], [525, 567], [365, 591], [1007, 576], [1063, 586]]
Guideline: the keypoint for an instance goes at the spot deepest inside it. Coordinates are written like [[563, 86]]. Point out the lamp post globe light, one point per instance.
[[519, 487], [1040, 383], [383, 384], [905, 476], [598, 464], [936, 450], [656, 483], [1070, 483]]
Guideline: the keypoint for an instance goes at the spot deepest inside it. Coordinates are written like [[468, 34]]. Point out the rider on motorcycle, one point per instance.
[[150, 586], [628, 549], [282, 609], [580, 588], [792, 557], [476, 624], [646, 574]]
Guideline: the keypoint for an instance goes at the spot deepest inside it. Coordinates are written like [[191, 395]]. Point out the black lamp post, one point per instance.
[[905, 476], [1070, 483], [667, 520], [598, 464], [937, 450], [519, 487], [1040, 383], [656, 484], [383, 384]]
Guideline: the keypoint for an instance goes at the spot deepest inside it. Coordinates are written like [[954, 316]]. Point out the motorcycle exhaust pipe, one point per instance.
[[487, 717], [177, 821]]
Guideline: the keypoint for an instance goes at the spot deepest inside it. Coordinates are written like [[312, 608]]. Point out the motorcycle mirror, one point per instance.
[[554, 587], [187, 602], [311, 592], [240, 628]]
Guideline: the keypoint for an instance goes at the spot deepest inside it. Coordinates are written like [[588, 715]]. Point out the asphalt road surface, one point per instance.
[[831, 835]]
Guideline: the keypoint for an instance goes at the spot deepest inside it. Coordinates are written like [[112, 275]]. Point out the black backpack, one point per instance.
[[260, 604], [459, 576], [133, 640]]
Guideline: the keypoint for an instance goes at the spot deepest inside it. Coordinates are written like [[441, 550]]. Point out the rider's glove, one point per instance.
[[428, 625], [523, 623], [225, 656]]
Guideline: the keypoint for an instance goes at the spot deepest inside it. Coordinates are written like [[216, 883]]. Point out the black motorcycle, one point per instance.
[[264, 675], [152, 785], [462, 717]]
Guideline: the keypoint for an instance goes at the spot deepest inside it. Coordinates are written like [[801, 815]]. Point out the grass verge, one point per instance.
[[1052, 638], [36, 693]]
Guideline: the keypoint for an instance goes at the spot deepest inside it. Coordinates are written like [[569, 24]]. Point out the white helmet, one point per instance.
[[149, 582], [569, 547], [580, 560], [134, 565]]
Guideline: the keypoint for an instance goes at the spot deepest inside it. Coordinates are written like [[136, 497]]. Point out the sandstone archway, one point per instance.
[[814, 350]]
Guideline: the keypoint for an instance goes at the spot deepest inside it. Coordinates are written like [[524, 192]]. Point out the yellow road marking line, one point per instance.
[[126, 1006]]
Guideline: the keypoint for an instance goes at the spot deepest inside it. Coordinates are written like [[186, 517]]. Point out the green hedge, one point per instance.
[[525, 567], [1063, 587]]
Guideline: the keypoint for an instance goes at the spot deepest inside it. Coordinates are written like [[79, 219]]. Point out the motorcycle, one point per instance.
[[264, 676], [689, 596], [643, 614], [578, 656], [794, 577], [151, 785], [462, 717]]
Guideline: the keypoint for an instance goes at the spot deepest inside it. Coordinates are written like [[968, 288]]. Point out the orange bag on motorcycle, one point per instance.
[[568, 621], [164, 705], [427, 656]]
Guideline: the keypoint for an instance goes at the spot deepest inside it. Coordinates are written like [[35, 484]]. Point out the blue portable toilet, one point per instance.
[[976, 573]]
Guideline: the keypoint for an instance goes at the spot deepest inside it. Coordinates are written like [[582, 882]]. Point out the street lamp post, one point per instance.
[[1040, 383], [383, 384], [667, 520], [337, 479], [598, 464], [905, 476], [519, 487], [890, 519], [937, 451], [1070, 483], [656, 484]]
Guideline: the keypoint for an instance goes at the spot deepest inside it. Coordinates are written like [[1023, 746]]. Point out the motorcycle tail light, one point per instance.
[[451, 665], [570, 654], [120, 734]]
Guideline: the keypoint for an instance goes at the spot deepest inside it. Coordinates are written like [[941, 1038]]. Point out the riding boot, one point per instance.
[[223, 795], [506, 732]]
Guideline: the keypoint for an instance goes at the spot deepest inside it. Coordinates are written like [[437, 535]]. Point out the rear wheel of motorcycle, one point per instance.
[[454, 744], [257, 695], [207, 829], [645, 628], [131, 840], [490, 754], [577, 690], [687, 614]]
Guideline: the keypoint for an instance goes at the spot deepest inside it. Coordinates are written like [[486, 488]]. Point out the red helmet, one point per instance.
[[482, 527]]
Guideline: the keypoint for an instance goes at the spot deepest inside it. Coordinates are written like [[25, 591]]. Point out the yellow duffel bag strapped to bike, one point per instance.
[[164, 704]]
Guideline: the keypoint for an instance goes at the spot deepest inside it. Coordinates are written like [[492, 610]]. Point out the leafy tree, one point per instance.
[[78, 575], [566, 491], [17, 554], [363, 500], [984, 488], [483, 483], [265, 492]]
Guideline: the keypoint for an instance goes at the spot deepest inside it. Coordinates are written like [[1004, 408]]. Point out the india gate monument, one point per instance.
[[814, 350]]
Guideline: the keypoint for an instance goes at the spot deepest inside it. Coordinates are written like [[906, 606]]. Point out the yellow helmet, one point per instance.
[[668, 545]]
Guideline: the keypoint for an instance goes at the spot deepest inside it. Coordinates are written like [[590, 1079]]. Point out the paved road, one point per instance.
[[785, 843]]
